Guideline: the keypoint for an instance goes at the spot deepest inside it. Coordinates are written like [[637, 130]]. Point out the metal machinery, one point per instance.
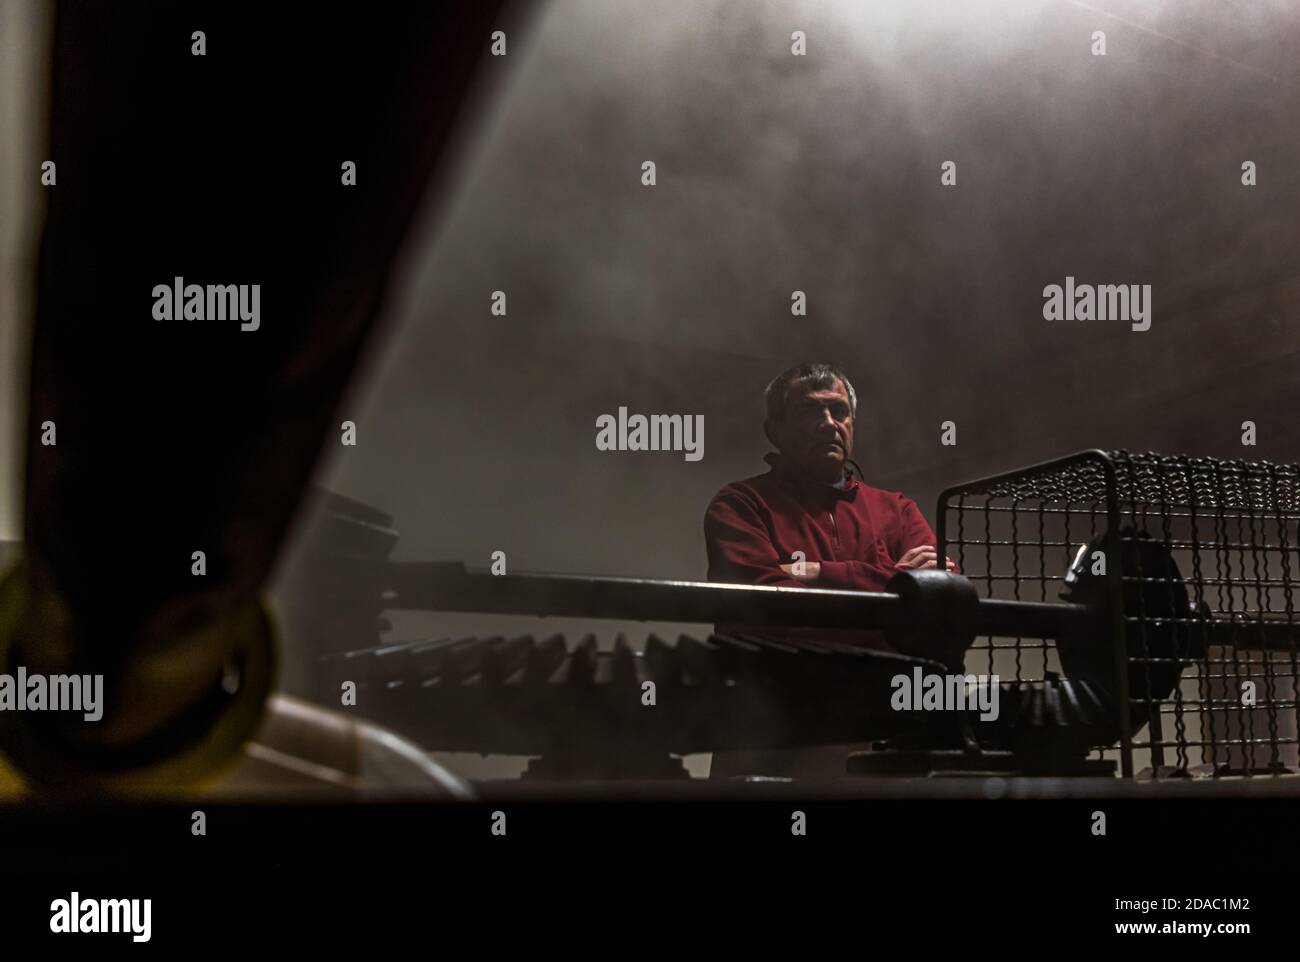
[[1133, 610]]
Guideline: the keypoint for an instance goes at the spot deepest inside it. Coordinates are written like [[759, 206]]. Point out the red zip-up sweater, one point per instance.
[[856, 533]]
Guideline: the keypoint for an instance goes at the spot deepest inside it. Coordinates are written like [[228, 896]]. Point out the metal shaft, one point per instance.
[[448, 586]]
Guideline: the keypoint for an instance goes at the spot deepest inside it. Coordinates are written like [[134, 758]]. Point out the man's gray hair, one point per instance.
[[820, 376]]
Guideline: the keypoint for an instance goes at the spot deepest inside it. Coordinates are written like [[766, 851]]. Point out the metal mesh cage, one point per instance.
[[1196, 559]]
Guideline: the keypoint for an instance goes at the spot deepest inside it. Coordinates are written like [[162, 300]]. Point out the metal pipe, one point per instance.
[[448, 586]]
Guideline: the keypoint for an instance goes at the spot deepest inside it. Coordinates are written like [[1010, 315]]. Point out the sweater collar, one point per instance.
[[783, 472]]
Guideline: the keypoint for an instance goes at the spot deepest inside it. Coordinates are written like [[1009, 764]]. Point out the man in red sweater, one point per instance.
[[807, 521]]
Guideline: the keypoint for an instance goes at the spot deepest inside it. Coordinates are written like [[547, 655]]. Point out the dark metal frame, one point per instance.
[[1222, 588], [1114, 574]]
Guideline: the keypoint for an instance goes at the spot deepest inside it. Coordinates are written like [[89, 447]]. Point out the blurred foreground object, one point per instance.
[[302, 752], [305, 750], [183, 436]]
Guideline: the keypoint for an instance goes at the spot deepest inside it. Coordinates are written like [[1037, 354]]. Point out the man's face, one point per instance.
[[816, 434]]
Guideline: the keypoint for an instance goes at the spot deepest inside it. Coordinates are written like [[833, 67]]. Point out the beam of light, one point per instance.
[[1182, 43]]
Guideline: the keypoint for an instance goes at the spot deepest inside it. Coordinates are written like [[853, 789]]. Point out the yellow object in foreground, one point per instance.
[[203, 739]]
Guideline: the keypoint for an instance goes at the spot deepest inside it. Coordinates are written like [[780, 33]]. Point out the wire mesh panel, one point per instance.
[[1190, 565]]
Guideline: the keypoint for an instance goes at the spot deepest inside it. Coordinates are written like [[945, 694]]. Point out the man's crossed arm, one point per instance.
[[741, 551], [922, 556]]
